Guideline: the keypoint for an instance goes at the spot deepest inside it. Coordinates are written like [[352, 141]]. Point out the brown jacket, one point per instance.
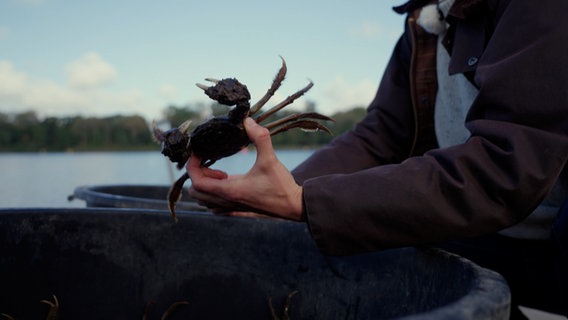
[[373, 188]]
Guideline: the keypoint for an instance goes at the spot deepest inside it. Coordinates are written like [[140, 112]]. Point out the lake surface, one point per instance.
[[47, 179]]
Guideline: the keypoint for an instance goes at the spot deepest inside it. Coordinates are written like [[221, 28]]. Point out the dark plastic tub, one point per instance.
[[109, 263], [132, 196]]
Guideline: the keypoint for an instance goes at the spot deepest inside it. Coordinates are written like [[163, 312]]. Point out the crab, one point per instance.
[[224, 136]]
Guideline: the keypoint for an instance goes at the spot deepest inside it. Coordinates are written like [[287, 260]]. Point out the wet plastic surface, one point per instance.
[[109, 263]]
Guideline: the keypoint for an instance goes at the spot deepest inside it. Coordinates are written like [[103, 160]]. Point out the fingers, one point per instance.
[[205, 199], [204, 181], [214, 202], [195, 169], [215, 174], [250, 214]]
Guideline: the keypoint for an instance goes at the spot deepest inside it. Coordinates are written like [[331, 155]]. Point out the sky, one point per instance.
[[108, 57]]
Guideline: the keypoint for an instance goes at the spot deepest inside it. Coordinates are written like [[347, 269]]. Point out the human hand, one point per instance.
[[268, 187]]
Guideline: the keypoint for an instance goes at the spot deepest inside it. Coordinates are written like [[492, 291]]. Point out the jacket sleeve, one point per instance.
[[517, 149]]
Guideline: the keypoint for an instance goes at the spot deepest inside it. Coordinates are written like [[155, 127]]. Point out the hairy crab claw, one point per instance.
[[174, 142]]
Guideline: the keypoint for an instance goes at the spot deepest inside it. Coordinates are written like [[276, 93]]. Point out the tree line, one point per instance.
[[27, 132]]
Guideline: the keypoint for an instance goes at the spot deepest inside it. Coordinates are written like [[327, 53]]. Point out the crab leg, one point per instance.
[[305, 125], [175, 194], [275, 85], [286, 316], [53, 308], [296, 116], [284, 103]]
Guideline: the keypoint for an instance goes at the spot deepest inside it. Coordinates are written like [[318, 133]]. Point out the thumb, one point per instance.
[[260, 136]]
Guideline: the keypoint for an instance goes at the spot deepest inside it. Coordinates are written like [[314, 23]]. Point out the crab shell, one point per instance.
[[217, 138]]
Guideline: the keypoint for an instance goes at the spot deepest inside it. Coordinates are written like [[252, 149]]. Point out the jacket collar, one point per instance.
[[463, 17], [461, 8]]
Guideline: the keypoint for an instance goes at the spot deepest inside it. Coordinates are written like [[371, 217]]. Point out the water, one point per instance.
[[47, 179]]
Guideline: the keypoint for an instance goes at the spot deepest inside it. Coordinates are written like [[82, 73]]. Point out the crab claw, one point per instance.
[[157, 133], [202, 86], [215, 81], [184, 126], [205, 87], [228, 91]]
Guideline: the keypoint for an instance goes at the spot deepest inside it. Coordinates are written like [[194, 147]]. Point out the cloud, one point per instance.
[[22, 92], [341, 95], [90, 71]]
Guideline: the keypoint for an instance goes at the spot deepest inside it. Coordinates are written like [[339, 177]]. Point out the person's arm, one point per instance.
[[517, 149]]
